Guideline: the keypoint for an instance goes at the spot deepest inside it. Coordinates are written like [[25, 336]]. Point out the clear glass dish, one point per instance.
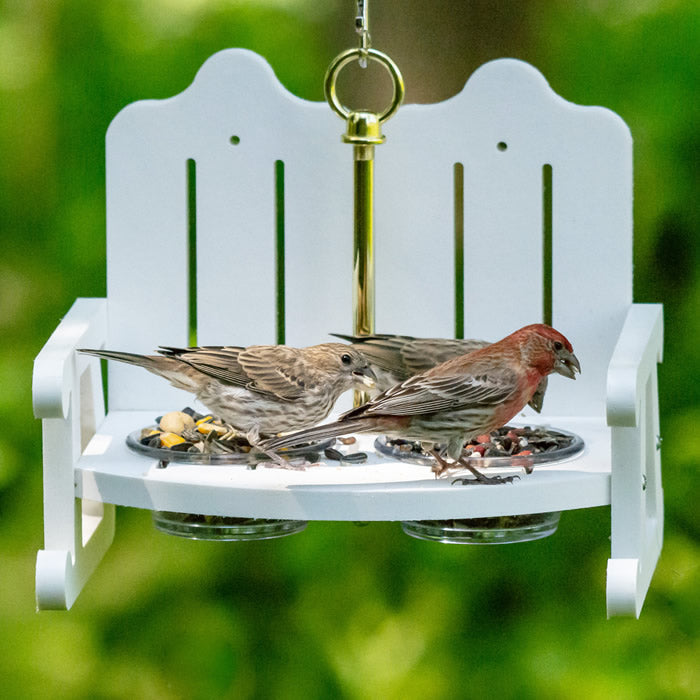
[[570, 445], [504, 529], [224, 529], [311, 451]]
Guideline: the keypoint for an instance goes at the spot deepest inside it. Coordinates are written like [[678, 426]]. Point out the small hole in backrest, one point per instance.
[[502, 146], [235, 140]]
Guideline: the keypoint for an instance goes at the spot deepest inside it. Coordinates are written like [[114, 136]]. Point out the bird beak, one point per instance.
[[365, 376], [567, 364]]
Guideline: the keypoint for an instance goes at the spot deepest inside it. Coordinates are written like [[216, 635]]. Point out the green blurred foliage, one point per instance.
[[339, 611]]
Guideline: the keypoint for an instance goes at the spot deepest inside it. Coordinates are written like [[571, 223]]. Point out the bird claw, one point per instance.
[[486, 480], [292, 466], [481, 478], [253, 437]]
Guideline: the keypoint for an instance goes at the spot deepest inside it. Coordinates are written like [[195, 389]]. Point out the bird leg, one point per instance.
[[253, 437], [278, 462], [481, 478], [441, 465]]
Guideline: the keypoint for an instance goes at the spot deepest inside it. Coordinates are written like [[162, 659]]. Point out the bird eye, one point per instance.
[[346, 359], [557, 345]]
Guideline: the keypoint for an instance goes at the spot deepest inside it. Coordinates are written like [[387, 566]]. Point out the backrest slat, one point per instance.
[[502, 130], [146, 253]]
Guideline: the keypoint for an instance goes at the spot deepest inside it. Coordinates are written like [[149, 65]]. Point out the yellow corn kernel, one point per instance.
[[170, 439], [206, 428]]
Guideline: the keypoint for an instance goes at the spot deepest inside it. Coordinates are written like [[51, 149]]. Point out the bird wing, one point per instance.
[[266, 369], [220, 362], [405, 355], [276, 369], [421, 354], [431, 394]]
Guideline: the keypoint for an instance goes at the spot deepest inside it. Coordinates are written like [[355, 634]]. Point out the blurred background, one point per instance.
[[339, 611]]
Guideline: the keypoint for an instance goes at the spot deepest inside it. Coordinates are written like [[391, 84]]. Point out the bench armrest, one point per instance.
[[67, 397], [634, 358], [636, 494], [85, 325]]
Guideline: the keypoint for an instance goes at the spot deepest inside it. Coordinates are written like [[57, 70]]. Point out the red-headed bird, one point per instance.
[[459, 399], [395, 358]]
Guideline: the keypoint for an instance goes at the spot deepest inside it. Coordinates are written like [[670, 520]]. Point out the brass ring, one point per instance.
[[350, 55]]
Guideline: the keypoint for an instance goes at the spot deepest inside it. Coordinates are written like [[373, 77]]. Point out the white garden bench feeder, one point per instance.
[[231, 204]]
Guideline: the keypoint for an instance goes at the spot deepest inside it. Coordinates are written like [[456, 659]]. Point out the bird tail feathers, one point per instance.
[[128, 357], [317, 433], [153, 363]]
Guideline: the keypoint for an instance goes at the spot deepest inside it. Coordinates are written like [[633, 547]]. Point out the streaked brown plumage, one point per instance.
[[395, 358], [268, 388], [460, 398]]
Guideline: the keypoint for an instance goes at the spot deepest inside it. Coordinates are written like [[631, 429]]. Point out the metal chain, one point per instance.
[[362, 28]]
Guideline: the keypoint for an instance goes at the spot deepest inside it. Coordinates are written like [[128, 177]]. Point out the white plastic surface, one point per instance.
[[381, 489], [67, 393], [636, 491], [236, 93]]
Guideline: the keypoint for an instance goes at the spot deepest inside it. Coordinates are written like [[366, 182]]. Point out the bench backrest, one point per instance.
[[238, 164]]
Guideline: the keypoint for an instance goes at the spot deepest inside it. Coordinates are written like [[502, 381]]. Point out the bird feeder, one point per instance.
[[250, 191]]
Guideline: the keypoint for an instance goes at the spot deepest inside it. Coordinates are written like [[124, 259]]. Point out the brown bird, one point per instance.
[[458, 399], [395, 358], [266, 389]]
